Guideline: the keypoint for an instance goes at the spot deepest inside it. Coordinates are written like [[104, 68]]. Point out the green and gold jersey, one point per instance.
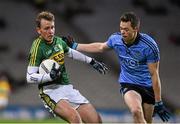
[[41, 50]]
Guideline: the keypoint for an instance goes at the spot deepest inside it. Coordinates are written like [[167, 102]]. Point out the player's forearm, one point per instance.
[[92, 47], [156, 86], [33, 77], [78, 56]]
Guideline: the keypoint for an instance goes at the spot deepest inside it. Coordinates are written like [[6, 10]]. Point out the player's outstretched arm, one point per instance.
[[99, 66], [95, 47]]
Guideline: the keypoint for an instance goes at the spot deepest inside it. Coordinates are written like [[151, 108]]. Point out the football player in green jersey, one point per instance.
[[55, 89]]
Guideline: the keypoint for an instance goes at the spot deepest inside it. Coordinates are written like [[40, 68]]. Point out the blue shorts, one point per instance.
[[147, 93]]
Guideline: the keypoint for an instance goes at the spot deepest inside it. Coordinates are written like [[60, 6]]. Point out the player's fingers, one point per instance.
[[70, 38], [104, 66], [166, 116], [53, 67], [168, 113], [100, 70], [162, 118]]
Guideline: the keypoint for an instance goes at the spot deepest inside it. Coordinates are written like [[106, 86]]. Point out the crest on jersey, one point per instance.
[[137, 54]]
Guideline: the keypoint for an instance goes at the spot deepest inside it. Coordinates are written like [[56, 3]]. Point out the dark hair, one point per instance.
[[44, 15], [130, 16]]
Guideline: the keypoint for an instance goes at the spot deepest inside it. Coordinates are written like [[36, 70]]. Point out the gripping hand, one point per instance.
[[70, 42], [160, 109], [55, 72], [99, 66]]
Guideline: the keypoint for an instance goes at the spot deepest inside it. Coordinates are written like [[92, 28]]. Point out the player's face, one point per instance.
[[128, 32], [46, 30]]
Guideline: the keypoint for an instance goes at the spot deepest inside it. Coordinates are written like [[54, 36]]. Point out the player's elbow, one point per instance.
[[101, 49], [28, 78]]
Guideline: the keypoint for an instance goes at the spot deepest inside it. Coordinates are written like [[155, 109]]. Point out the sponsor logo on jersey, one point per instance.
[[58, 57]]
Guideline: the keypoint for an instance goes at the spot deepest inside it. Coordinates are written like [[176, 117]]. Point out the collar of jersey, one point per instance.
[[48, 43], [135, 42]]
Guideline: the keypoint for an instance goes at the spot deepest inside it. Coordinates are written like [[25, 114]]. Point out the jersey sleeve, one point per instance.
[[152, 53], [35, 55], [109, 42], [112, 40]]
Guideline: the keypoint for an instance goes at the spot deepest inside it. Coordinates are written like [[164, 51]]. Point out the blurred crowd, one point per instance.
[[5, 89]]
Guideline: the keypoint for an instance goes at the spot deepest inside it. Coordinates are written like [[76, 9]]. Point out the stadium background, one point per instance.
[[87, 21]]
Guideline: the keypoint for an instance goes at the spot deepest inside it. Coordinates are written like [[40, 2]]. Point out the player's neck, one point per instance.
[[48, 42], [134, 38], [131, 41]]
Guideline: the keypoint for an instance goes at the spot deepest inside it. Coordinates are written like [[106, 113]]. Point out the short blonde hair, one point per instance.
[[44, 15]]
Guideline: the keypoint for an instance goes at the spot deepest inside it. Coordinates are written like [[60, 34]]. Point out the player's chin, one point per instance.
[[124, 36], [49, 39]]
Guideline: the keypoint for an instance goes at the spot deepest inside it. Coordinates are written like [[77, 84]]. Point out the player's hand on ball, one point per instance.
[[163, 113], [99, 66], [70, 41], [55, 72]]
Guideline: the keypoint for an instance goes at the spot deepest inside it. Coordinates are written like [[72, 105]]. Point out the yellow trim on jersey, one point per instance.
[[34, 51], [31, 52]]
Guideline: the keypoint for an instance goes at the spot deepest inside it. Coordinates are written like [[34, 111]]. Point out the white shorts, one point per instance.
[[52, 94]]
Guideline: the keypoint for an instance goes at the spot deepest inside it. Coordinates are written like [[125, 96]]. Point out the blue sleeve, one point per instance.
[[152, 54], [109, 43], [113, 40]]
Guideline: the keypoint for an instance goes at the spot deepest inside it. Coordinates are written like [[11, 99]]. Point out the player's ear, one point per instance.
[[38, 30], [136, 28]]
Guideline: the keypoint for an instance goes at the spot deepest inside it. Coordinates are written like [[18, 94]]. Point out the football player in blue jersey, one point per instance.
[[139, 59]]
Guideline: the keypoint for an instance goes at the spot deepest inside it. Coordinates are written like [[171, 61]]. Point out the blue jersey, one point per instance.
[[134, 58]]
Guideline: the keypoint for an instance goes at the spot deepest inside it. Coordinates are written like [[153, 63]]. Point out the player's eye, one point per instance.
[[46, 28], [124, 29], [52, 27]]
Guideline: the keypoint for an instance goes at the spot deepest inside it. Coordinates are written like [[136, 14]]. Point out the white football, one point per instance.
[[46, 66]]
